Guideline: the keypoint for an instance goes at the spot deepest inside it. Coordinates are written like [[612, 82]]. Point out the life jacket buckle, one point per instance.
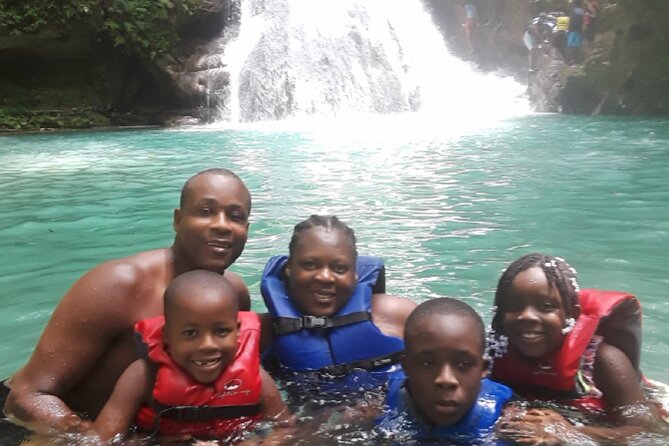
[[314, 322]]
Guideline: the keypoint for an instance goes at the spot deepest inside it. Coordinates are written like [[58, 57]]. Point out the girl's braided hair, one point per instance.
[[559, 274]]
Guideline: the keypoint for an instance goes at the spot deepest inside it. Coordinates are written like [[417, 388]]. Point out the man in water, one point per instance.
[[89, 340]]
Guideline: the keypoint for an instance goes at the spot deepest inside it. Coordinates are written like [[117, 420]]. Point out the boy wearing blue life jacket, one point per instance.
[[445, 393]]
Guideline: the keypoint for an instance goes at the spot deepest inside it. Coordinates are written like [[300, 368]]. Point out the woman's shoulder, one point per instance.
[[390, 313]]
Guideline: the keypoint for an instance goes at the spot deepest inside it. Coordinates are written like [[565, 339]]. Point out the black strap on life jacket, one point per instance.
[[286, 325], [365, 364], [192, 414]]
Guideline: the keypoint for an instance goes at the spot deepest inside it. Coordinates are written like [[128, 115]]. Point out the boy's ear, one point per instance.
[[239, 324], [176, 220], [166, 340], [487, 363], [577, 311]]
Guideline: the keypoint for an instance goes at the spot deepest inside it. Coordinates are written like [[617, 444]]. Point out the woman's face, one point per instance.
[[533, 315], [321, 271]]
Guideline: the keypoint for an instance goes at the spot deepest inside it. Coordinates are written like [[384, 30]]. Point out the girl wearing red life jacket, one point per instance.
[[567, 343]]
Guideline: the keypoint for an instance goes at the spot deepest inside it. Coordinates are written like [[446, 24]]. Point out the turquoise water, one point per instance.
[[447, 206]]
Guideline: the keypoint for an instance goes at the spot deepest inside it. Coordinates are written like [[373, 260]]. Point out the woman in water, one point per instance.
[[330, 322]]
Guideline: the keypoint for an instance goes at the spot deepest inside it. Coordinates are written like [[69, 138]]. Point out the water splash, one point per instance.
[[300, 58]]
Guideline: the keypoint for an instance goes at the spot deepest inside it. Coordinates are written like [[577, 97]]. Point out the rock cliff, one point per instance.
[[78, 76], [625, 70]]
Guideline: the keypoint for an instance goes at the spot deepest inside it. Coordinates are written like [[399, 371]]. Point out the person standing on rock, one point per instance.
[[560, 34], [589, 24], [470, 23], [575, 35]]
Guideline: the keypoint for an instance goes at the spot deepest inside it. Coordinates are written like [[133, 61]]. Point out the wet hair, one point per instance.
[[328, 222], [183, 285], [212, 171], [445, 306], [559, 274]]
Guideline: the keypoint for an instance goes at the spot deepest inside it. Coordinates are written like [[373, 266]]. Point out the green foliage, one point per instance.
[[22, 17], [18, 119], [146, 27]]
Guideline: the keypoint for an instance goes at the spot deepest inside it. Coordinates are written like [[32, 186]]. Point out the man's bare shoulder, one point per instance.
[[242, 290], [115, 283], [134, 270]]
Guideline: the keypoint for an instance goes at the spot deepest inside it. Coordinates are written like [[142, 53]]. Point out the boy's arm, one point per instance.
[[131, 391], [274, 410], [272, 406]]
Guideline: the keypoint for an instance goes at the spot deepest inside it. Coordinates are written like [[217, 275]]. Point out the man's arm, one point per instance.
[[131, 391], [94, 311], [242, 290]]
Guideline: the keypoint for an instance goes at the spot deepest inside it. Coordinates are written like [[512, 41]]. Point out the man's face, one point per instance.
[[212, 224]]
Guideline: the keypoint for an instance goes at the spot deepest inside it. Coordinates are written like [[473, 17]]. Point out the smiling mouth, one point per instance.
[[219, 245], [324, 296], [207, 363], [531, 336]]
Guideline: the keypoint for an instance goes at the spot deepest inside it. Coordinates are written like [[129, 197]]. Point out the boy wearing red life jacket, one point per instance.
[[200, 373]]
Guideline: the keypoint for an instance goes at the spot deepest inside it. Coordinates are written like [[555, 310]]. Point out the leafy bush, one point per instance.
[[143, 26]]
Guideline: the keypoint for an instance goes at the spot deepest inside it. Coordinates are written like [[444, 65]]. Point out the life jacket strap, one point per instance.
[[365, 364], [191, 414], [286, 325]]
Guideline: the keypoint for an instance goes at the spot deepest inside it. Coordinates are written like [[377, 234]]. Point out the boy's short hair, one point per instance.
[[183, 285], [446, 306]]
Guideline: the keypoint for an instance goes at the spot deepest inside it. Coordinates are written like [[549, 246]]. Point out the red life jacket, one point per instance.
[[182, 405], [614, 315]]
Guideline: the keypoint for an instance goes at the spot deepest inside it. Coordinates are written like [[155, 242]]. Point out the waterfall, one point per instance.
[[303, 58]]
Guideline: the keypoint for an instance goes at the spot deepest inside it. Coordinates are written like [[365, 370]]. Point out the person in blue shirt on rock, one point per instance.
[[446, 394]]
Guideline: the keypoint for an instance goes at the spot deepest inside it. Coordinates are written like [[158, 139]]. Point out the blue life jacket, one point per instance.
[[402, 418], [338, 345]]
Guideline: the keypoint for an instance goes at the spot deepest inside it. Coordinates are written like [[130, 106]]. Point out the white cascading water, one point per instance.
[[323, 58]]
